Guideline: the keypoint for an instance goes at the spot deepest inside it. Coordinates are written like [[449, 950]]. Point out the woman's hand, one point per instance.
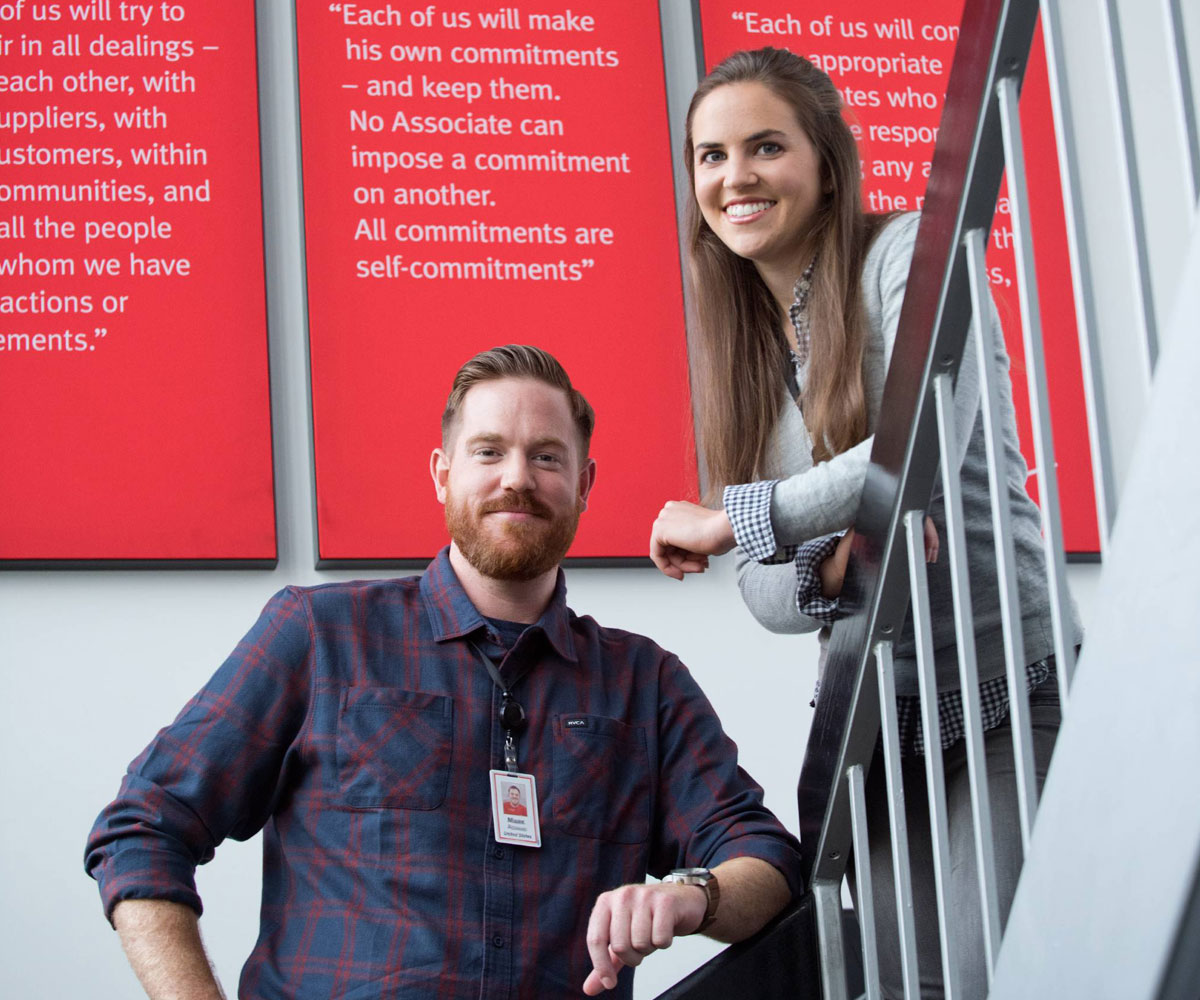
[[931, 540], [833, 569], [685, 535]]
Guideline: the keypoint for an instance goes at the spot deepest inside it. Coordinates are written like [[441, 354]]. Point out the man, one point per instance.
[[514, 806], [368, 728]]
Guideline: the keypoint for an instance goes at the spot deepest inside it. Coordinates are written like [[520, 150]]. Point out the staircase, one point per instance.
[[1109, 900]]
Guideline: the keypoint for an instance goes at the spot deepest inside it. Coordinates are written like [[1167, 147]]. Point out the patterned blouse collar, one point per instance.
[[798, 312]]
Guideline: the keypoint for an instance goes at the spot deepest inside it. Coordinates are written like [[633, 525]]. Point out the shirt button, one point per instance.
[[497, 852], [498, 941]]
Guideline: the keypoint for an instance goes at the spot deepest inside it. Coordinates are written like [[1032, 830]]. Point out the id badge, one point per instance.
[[515, 808]]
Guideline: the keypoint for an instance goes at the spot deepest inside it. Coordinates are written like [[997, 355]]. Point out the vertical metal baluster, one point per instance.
[[1039, 394], [1090, 355], [1190, 132], [828, 897], [968, 674], [935, 778], [1140, 283], [862, 871], [1010, 605], [889, 723]]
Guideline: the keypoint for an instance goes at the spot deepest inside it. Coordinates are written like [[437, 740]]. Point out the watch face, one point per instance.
[[690, 875]]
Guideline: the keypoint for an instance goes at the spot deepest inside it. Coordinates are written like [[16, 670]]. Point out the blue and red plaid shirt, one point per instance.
[[355, 726]]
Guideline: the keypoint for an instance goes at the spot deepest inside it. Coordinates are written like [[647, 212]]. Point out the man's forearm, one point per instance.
[[632, 921], [162, 942], [752, 892]]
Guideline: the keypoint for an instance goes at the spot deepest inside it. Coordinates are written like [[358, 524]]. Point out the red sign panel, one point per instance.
[[891, 62], [134, 394], [478, 175]]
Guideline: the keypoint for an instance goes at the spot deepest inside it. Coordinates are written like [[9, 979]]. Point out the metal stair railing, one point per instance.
[[946, 302], [979, 139]]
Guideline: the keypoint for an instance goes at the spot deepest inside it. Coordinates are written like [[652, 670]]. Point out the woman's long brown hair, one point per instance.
[[739, 356]]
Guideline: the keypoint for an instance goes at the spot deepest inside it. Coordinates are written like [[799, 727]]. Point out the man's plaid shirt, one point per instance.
[[355, 726]]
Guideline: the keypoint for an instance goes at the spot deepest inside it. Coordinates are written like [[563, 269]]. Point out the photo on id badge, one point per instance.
[[514, 808]]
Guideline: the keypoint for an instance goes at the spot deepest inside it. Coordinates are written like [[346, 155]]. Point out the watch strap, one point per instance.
[[706, 880], [712, 889]]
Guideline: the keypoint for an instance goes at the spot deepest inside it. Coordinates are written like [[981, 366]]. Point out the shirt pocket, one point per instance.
[[602, 786], [394, 748]]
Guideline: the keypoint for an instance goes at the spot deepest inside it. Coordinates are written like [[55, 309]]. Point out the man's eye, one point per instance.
[[486, 453], [546, 458]]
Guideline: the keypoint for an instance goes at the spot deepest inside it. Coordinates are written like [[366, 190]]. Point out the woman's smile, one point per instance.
[[747, 210]]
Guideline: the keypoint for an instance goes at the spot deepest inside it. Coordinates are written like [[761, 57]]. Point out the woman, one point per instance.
[[798, 296]]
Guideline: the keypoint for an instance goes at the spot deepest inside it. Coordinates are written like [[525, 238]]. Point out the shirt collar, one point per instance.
[[798, 312], [452, 615]]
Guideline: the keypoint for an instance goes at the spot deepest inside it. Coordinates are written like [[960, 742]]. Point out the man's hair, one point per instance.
[[518, 361]]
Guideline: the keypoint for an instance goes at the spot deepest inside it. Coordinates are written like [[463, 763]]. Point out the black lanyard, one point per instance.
[[512, 713], [789, 376]]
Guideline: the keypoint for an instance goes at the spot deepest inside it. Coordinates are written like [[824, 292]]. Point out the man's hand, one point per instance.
[[685, 535], [633, 921], [629, 923]]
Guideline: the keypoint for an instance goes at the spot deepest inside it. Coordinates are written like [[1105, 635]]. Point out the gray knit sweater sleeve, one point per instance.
[[769, 592]]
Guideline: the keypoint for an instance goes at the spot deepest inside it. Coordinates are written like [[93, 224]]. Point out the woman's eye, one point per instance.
[[770, 148], [712, 156]]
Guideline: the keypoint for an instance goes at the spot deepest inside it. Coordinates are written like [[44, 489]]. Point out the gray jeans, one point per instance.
[[963, 896]]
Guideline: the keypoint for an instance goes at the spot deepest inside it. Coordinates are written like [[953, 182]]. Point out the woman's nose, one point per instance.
[[739, 172]]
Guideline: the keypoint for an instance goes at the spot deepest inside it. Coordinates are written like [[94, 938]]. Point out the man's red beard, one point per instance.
[[520, 550]]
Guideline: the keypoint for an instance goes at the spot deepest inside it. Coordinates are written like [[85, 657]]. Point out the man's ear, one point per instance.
[[587, 479], [439, 469]]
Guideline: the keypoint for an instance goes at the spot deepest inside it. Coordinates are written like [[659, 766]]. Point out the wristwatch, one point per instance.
[[707, 881]]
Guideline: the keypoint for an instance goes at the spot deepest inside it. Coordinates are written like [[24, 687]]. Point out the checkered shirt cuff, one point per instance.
[[809, 599], [748, 507]]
